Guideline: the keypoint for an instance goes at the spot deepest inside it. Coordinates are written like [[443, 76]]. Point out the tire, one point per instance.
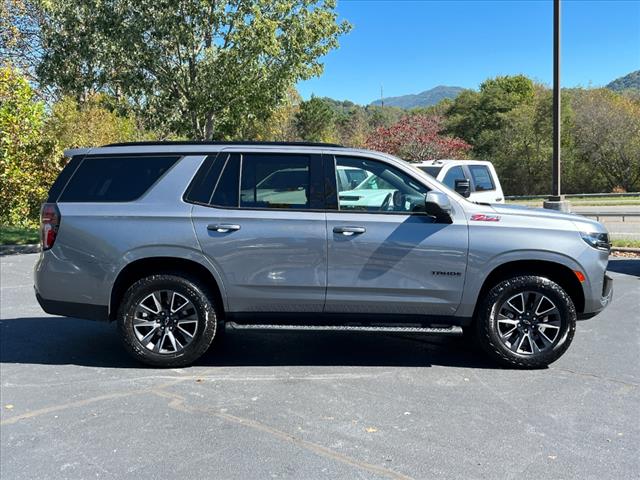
[[180, 337], [537, 340]]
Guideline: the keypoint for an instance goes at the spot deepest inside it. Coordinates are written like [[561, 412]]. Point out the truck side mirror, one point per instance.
[[463, 187], [438, 205]]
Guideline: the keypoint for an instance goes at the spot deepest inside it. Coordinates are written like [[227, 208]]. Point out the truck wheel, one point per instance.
[[526, 322], [167, 320]]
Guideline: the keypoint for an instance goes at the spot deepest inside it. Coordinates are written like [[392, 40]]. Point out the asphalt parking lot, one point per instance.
[[314, 405]]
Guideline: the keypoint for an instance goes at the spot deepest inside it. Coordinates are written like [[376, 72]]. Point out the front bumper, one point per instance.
[[605, 299]]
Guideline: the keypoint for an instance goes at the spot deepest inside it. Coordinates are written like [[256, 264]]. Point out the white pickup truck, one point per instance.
[[475, 179]]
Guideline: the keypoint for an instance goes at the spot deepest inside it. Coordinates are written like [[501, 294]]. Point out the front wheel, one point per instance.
[[526, 321], [167, 320]]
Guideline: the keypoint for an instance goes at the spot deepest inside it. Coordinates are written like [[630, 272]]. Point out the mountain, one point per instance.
[[631, 80], [423, 99]]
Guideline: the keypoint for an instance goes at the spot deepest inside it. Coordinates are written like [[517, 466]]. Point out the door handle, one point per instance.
[[223, 227], [348, 231]]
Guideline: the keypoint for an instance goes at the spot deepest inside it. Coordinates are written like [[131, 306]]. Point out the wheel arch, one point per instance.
[[554, 271], [146, 266]]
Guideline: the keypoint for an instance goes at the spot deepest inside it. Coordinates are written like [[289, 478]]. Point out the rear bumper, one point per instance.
[[71, 309]]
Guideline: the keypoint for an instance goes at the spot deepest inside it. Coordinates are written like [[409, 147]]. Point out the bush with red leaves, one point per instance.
[[417, 137]]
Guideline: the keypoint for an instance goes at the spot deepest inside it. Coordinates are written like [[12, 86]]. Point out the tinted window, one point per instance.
[[202, 185], [63, 178], [433, 171], [275, 181], [114, 179], [385, 188], [226, 192], [481, 178], [454, 173]]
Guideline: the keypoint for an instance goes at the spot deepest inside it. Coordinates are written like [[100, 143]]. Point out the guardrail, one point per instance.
[[573, 195], [597, 215]]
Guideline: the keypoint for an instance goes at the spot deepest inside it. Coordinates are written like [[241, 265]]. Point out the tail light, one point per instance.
[[49, 224]]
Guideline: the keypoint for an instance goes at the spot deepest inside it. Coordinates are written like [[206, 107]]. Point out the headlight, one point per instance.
[[597, 240]]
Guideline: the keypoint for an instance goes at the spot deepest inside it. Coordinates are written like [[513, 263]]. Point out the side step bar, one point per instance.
[[348, 328]]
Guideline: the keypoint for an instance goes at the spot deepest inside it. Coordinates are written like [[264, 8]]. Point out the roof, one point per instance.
[[206, 142], [445, 161]]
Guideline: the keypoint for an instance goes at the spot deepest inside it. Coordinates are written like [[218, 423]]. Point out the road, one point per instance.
[[314, 405], [620, 227]]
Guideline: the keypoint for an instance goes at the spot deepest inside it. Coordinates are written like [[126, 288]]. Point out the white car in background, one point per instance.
[[475, 179]]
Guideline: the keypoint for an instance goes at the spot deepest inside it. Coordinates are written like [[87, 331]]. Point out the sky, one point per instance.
[[412, 46]]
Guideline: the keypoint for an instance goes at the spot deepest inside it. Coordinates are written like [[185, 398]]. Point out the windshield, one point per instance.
[[433, 171]]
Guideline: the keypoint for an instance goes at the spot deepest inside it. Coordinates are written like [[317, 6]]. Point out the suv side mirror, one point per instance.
[[463, 187], [438, 205]]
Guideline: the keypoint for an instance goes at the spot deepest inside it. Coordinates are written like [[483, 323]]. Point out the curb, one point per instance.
[[18, 249], [626, 249]]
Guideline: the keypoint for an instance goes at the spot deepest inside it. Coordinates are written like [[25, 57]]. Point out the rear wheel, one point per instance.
[[167, 320], [526, 321]]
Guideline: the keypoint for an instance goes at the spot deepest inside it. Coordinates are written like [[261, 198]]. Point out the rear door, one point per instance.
[[260, 222], [391, 257]]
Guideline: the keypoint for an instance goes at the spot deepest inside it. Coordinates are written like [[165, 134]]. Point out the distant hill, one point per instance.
[[423, 99], [631, 80]]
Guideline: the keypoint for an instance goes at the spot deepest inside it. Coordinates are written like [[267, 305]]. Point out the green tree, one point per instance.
[[607, 136], [25, 169], [477, 116], [208, 69], [20, 40], [315, 121], [281, 124], [352, 128], [90, 123]]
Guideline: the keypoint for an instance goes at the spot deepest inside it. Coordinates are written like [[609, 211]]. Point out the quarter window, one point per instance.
[[481, 178], [114, 179], [275, 181]]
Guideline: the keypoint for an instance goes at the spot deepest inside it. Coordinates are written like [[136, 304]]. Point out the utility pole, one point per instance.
[[556, 201], [381, 97]]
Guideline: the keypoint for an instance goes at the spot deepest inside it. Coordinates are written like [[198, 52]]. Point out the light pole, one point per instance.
[[556, 201]]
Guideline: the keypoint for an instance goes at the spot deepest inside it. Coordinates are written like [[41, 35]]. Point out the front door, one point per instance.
[[261, 233], [385, 254]]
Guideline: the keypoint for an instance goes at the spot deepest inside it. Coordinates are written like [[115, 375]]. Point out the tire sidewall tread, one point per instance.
[[202, 300], [485, 321]]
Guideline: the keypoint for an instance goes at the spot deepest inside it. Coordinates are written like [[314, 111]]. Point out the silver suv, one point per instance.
[[176, 241]]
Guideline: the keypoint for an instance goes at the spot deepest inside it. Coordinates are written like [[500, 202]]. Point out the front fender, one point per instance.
[[479, 269]]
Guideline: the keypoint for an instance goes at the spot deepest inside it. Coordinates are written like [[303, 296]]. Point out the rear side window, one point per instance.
[[275, 181], [454, 173], [481, 178], [63, 178], [115, 179], [226, 190]]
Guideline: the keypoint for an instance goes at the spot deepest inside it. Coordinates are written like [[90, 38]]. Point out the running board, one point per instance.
[[348, 328]]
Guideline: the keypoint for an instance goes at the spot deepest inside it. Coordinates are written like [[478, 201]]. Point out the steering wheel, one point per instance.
[[386, 202]]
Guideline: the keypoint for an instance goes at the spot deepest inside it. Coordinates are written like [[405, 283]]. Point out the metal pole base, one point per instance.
[[557, 203]]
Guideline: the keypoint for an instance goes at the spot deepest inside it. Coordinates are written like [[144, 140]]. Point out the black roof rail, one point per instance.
[[206, 142]]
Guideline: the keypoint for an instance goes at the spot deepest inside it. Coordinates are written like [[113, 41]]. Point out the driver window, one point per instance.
[[382, 188]]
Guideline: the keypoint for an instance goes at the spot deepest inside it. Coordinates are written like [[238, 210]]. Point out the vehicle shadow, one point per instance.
[[628, 267], [64, 341]]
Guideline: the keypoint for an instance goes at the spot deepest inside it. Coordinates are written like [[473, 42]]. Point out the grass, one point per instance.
[[18, 235], [626, 243], [587, 201]]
